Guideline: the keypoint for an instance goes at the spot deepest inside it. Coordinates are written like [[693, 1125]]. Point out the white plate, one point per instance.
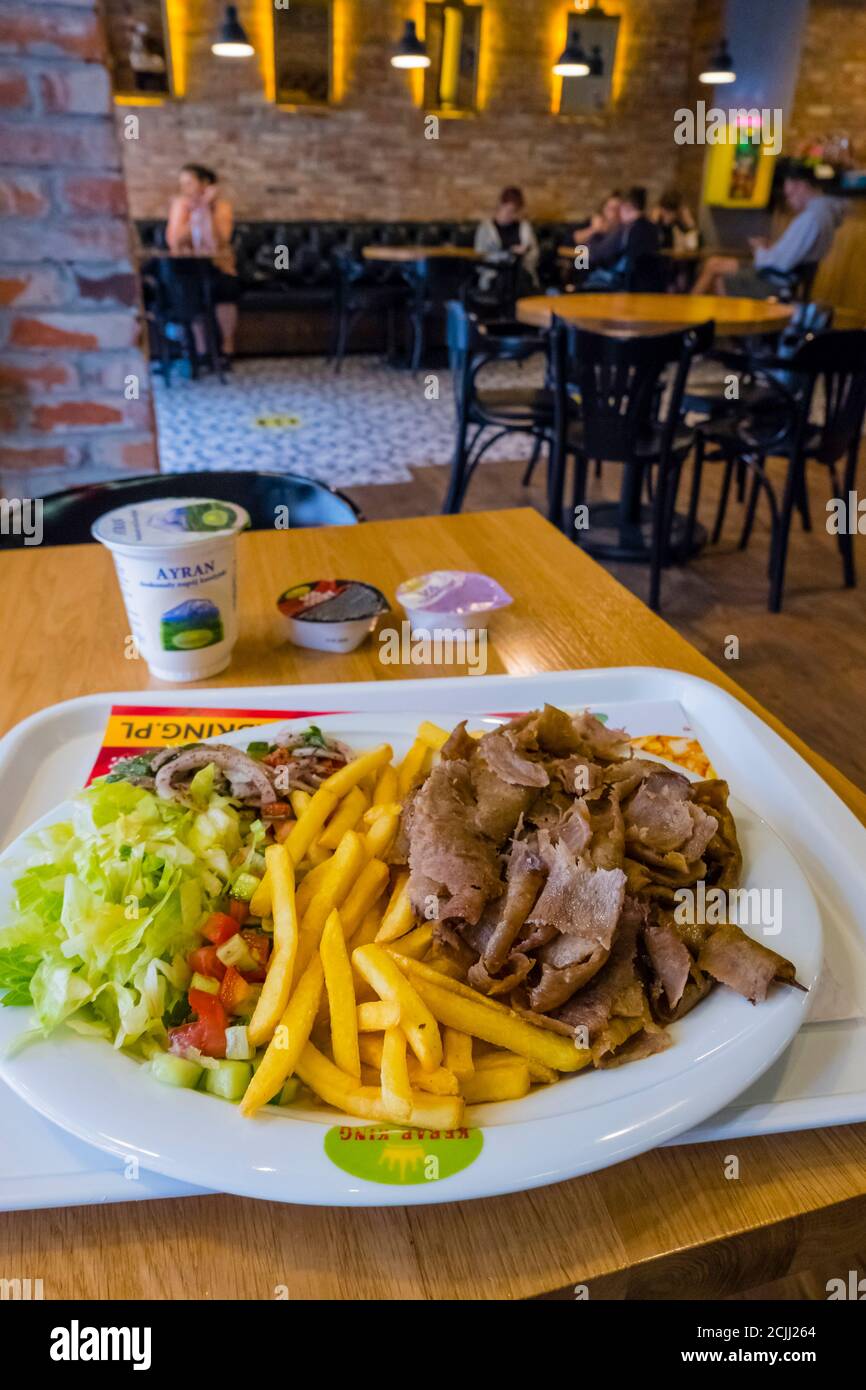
[[581, 1124]]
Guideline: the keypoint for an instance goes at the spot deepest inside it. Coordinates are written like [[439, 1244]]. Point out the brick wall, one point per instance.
[[367, 157], [69, 300], [831, 88]]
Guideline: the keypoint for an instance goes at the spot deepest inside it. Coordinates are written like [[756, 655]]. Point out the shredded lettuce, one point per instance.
[[111, 902]]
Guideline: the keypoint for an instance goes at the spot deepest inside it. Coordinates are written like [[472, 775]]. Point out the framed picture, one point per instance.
[[139, 47], [597, 34], [452, 33], [302, 53]]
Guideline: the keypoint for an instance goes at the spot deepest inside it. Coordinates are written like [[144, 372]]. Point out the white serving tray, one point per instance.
[[820, 1080]]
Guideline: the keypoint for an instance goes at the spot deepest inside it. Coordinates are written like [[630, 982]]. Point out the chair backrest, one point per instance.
[[68, 516], [793, 284], [183, 287], [445, 277], [807, 318], [838, 361], [648, 273], [619, 384]]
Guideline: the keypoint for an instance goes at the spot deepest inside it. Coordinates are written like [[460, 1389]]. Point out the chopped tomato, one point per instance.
[[239, 911], [219, 927], [208, 1033], [234, 991], [282, 830], [259, 944], [206, 962]]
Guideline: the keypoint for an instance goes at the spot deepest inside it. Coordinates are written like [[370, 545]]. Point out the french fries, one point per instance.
[[363, 895], [440, 1082], [399, 915], [346, 817], [416, 944], [434, 736], [352, 976], [457, 1051], [289, 1040], [537, 1070], [508, 1081], [340, 988], [260, 902], [343, 869], [338, 1089], [409, 771], [380, 836], [349, 776], [396, 1091], [375, 1017], [310, 822], [496, 1024], [379, 968], [386, 786], [278, 983]]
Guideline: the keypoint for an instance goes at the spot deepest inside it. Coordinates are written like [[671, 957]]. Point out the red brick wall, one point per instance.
[[69, 300], [367, 157], [831, 88]]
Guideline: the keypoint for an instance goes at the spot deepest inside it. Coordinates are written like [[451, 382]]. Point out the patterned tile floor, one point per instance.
[[370, 423]]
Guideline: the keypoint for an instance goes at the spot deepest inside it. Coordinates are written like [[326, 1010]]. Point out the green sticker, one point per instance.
[[402, 1157]]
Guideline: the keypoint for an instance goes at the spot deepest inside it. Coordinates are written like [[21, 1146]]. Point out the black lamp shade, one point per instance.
[[411, 52], [232, 40]]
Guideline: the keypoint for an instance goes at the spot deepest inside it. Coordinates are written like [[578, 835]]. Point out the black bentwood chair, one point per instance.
[[365, 288], [183, 296], [757, 406], [809, 424], [627, 415], [472, 346], [68, 516], [433, 284]]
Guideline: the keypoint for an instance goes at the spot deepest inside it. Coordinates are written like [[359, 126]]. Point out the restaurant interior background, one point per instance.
[[92, 170], [335, 160]]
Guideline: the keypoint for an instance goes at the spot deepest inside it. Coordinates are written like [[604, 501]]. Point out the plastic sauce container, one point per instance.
[[451, 599], [176, 562], [331, 615]]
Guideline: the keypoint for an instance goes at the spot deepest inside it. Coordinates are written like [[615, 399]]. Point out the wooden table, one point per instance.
[[626, 314], [667, 1224], [408, 255]]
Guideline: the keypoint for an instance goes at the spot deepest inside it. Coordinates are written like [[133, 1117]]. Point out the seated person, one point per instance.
[[201, 220], [509, 233], [806, 240], [639, 238], [602, 236], [678, 230]]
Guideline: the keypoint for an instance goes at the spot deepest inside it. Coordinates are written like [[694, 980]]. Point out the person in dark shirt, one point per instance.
[[638, 246]]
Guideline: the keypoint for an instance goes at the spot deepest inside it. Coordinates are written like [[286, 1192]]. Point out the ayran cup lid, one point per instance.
[[169, 521]]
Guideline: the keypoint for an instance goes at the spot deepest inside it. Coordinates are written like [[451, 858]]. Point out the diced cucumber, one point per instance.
[[238, 1045], [206, 983], [229, 1080], [175, 1071], [244, 886], [236, 952]]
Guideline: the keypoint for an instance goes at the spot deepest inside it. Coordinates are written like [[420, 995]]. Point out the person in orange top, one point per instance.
[[201, 220]]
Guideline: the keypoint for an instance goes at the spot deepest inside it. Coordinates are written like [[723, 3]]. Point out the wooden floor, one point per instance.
[[807, 664]]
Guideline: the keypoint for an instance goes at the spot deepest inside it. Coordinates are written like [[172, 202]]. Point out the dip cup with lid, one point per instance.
[[176, 562]]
